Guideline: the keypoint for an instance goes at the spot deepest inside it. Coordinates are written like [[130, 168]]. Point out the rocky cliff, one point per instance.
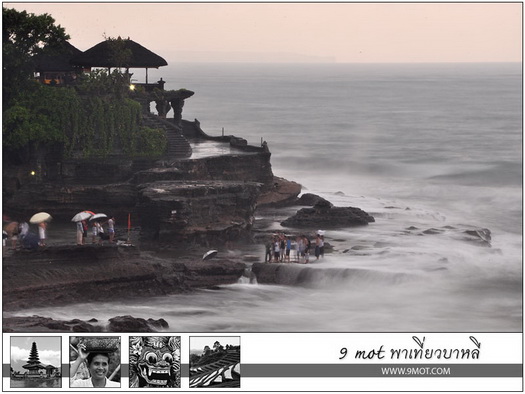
[[209, 200]]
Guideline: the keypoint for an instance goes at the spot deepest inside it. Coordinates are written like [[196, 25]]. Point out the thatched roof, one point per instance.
[[58, 59], [108, 52]]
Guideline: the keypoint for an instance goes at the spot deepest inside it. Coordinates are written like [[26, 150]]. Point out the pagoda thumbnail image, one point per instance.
[[36, 372]]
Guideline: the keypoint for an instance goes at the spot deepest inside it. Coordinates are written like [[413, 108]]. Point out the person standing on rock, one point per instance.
[[42, 227], [317, 246], [111, 228], [282, 246], [300, 248], [277, 249], [268, 254], [94, 232], [84, 230], [288, 247], [80, 233], [307, 246], [321, 246]]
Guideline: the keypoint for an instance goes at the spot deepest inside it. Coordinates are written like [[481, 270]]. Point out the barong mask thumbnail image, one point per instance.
[[413, 170], [154, 361]]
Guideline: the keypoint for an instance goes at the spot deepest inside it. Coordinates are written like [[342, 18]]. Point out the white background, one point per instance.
[[324, 348]]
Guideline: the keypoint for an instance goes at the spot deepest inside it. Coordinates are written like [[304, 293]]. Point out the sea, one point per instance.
[[432, 151]]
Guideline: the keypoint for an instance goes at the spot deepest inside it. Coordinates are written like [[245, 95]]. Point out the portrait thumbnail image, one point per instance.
[[154, 361], [215, 362], [94, 362]]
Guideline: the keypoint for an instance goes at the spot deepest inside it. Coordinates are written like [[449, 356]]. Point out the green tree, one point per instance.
[[24, 35]]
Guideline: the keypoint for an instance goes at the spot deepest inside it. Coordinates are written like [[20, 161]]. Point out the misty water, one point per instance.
[[35, 383], [433, 152]]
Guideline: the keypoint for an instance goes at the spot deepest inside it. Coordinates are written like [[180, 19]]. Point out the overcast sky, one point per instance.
[[197, 344], [302, 32]]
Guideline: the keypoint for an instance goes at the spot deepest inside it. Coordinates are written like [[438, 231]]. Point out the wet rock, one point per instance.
[[324, 215], [159, 324], [202, 212], [282, 193], [64, 275], [309, 199], [44, 324], [432, 231], [482, 236], [132, 324]]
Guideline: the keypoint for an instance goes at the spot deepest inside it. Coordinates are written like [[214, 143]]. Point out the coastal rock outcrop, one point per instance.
[[116, 324], [309, 199], [323, 214], [281, 193], [205, 212], [135, 324], [67, 274]]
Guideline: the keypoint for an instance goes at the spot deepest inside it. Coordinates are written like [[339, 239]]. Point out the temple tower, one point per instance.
[[34, 367]]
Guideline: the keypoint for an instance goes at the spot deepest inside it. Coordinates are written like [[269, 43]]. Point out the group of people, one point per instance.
[[98, 233], [280, 247], [15, 232]]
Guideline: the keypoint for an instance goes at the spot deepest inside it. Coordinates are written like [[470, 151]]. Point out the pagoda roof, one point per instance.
[[34, 366], [103, 55]]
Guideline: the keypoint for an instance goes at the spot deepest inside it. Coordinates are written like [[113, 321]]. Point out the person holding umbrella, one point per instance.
[[12, 231], [80, 233], [42, 227], [81, 225], [41, 220]]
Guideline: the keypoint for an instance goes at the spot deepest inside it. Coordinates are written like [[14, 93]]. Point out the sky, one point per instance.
[[49, 351], [300, 32], [197, 344]]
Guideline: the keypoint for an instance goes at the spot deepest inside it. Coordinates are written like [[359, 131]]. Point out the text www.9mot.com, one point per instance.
[[421, 371]]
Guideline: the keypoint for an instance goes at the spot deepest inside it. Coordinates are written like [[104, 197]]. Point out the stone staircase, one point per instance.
[[178, 145]]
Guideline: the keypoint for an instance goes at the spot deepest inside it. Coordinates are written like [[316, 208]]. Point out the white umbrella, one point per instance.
[[209, 254], [81, 216], [40, 217], [98, 216]]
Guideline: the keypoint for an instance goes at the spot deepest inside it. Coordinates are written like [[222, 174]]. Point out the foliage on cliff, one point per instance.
[[23, 37], [96, 117], [93, 119]]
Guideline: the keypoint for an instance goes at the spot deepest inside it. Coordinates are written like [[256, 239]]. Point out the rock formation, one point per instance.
[[67, 274], [323, 214]]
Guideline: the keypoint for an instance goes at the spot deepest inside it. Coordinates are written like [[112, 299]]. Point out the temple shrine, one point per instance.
[[35, 369]]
